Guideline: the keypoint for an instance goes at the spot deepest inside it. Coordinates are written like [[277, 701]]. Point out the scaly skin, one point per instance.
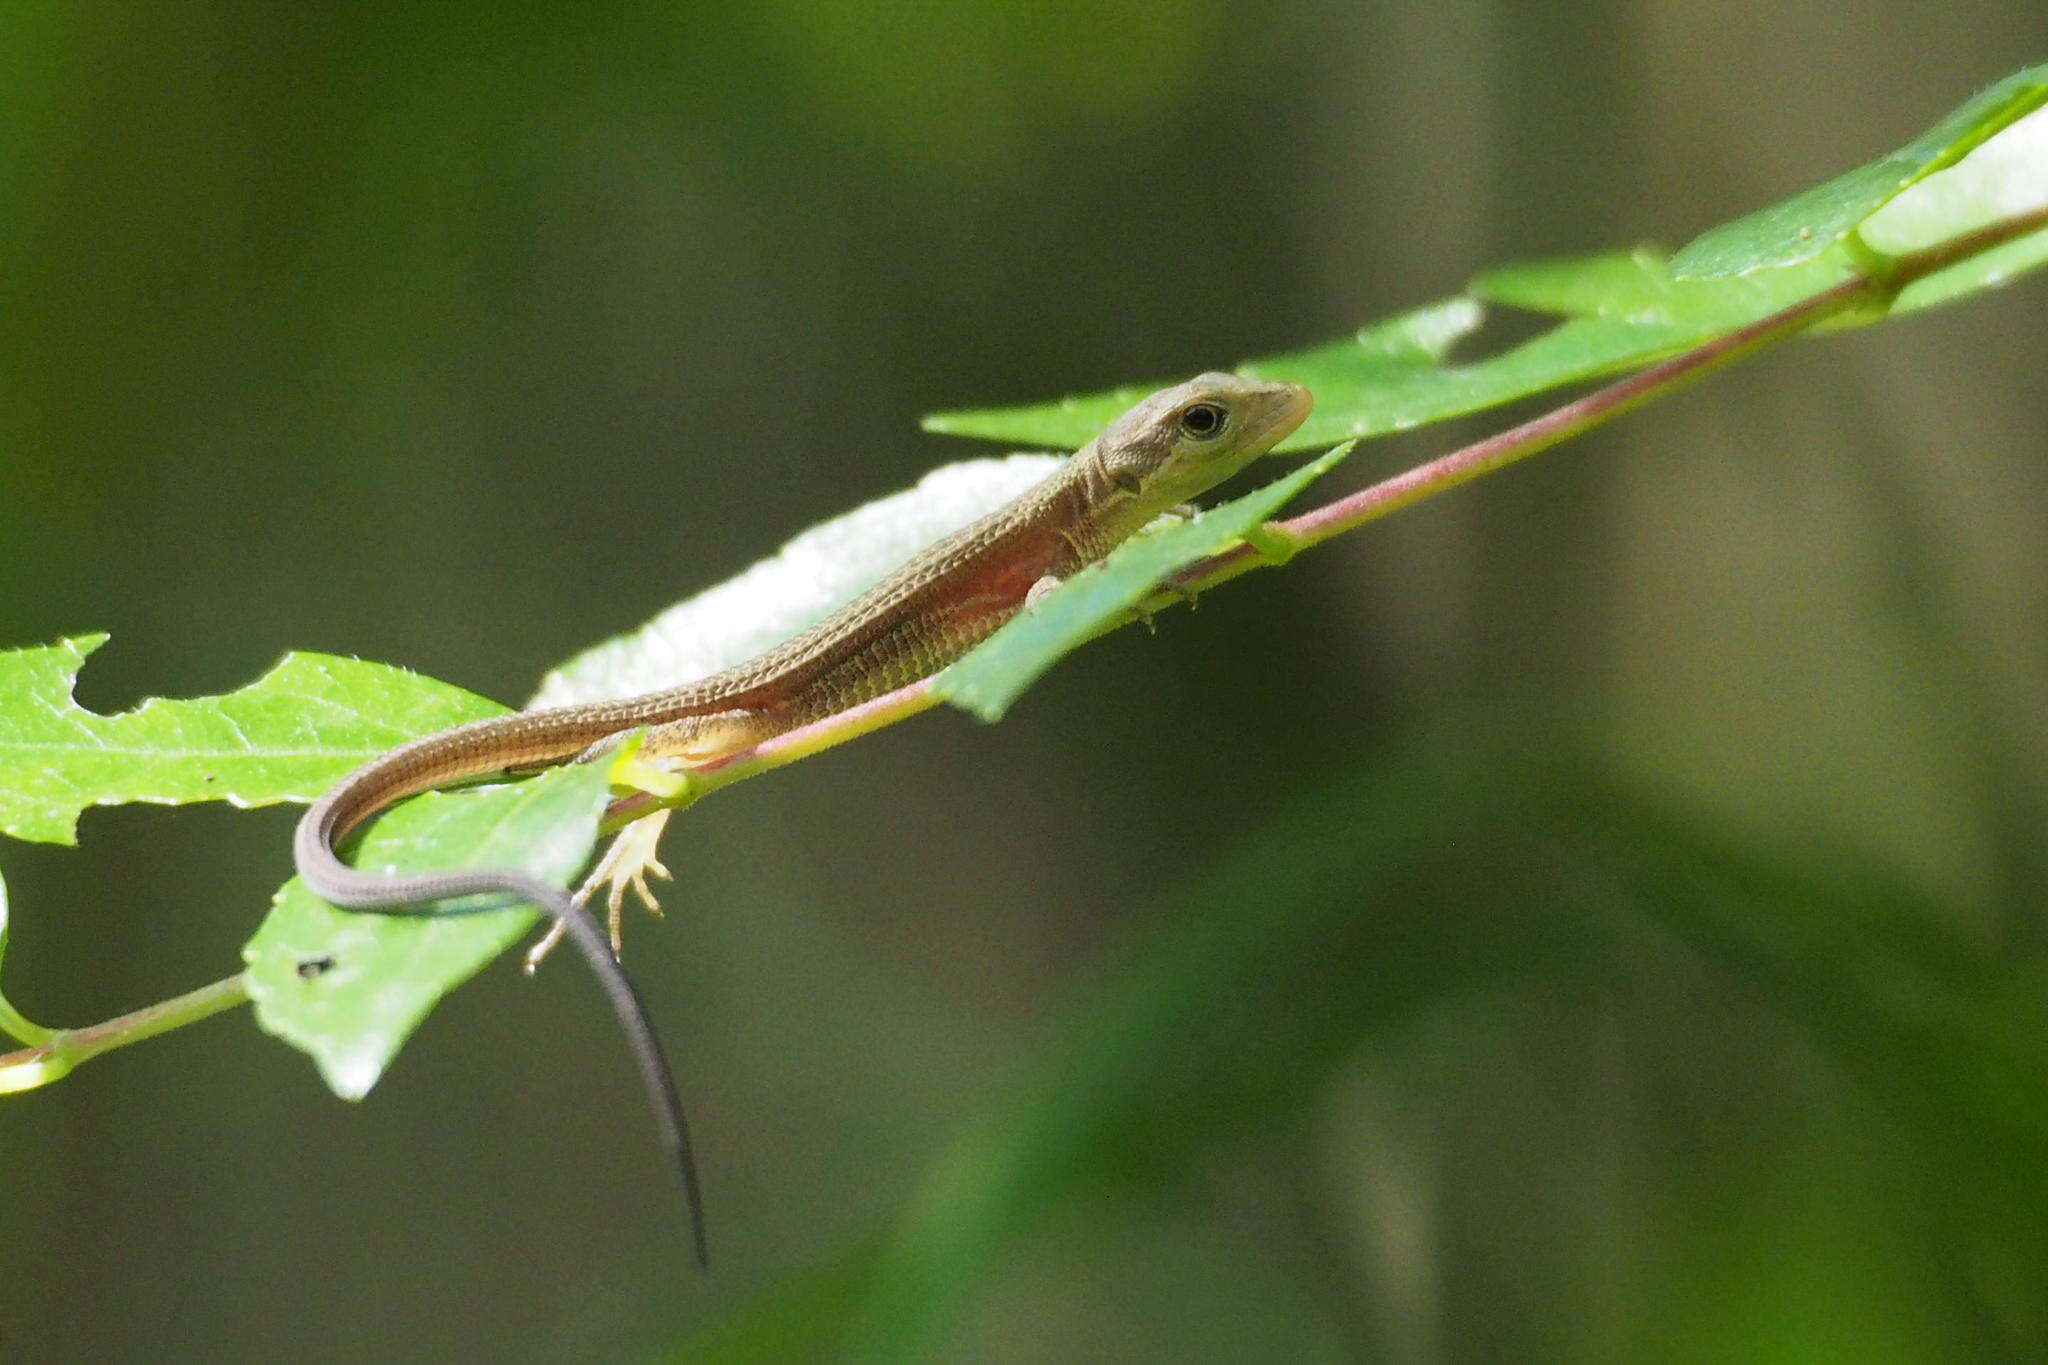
[[1168, 449]]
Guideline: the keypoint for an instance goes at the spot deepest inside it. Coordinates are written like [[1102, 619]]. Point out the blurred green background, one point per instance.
[[1597, 916]]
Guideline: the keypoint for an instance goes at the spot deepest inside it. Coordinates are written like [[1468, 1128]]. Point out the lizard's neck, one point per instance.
[[1103, 514]]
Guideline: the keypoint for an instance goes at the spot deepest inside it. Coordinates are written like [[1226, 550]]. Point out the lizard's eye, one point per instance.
[[1202, 419]]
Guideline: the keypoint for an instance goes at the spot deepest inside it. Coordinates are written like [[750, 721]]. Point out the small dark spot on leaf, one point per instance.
[[315, 966]]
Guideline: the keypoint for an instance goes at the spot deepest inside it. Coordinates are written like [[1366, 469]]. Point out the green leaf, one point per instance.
[[1068, 423], [996, 672], [1358, 396], [349, 988], [1391, 355], [11, 1021], [1637, 287], [2003, 178], [1802, 227], [1390, 377], [285, 737], [1627, 309]]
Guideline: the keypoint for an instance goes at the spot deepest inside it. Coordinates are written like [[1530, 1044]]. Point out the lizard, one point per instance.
[[1166, 450]]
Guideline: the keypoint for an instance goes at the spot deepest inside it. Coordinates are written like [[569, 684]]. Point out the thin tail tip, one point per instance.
[[702, 1247], [693, 1201]]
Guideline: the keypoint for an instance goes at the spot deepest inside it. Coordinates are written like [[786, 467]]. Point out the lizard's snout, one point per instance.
[[1290, 407]]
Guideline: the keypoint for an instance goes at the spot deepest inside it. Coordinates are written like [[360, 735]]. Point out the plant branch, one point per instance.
[[34, 1066], [21, 1029]]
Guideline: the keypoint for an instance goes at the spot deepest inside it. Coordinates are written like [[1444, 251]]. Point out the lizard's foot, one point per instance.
[[627, 864]]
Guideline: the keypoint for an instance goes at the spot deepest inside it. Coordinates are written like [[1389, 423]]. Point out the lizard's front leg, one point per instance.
[[1038, 590]]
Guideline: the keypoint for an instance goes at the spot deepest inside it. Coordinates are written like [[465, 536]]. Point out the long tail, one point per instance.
[[327, 876], [655, 1074]]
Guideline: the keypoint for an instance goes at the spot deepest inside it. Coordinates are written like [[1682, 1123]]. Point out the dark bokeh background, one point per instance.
[[464, 336]]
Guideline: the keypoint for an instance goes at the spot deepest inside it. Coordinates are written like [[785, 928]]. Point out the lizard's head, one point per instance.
[[1183, 441]]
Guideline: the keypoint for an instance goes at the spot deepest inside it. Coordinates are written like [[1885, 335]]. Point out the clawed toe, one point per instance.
[[627, 864]]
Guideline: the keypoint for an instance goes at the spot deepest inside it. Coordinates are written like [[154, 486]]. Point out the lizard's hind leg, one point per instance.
[[632, 859], [627, 864]]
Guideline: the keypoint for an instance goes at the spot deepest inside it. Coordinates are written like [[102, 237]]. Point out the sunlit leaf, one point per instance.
[[348, 987], [285, 737], [2004, 178], [1802, 227], [1637, 287], [1358, 396]]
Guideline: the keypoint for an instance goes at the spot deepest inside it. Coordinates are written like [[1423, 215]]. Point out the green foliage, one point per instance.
[[1627, 309], [2005, 177], [1358, 394], [1638, 287], [350, 988], [995, 674], [285, 737], [1804, 226], [1389, 377]]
